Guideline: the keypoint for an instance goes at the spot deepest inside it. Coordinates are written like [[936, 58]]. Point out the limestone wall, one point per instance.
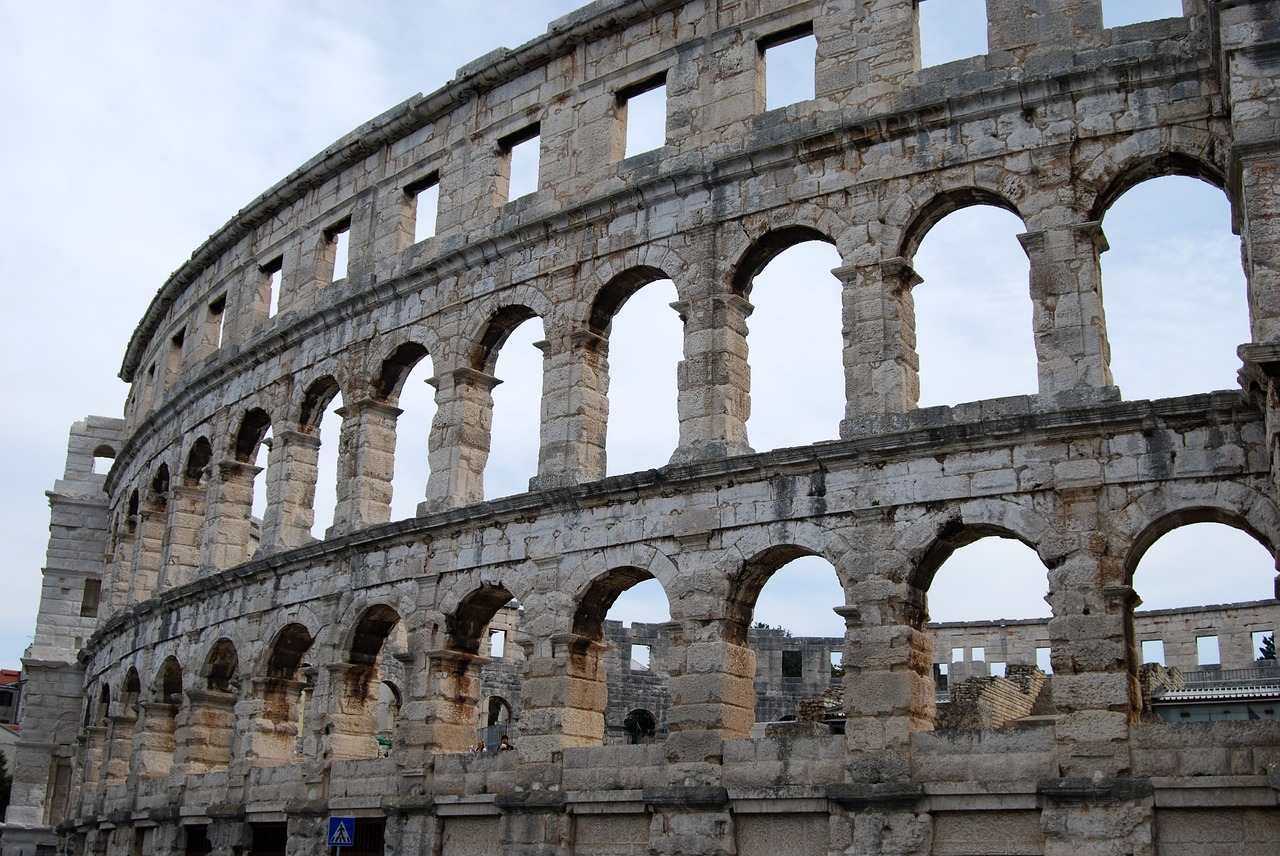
[[238, 669]]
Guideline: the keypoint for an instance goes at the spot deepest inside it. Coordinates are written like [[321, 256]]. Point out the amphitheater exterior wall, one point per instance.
[[225, 694]]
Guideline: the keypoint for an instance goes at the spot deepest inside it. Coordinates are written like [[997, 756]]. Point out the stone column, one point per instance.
[[1019, 26], [1260, 187], [563, 696], [714, 379], [1066, 298], [274, 736], [575, 412], [186, 523], [441, 717], [866, 59], [881, 367], [146, 553], [366, 463], [459, 443], [120, 747], [291, 491], [352, 708], [712, 680], [202, 741], [154, 740], [887, 688], [227, 524]]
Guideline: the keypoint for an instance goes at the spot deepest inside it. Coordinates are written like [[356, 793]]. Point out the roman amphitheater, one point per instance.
[[219, 683]]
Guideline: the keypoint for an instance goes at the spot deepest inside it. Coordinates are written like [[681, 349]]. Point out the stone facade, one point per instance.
[[226, 694]]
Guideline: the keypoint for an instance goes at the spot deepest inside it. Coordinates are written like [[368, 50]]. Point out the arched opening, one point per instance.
[[989, 627], [159, 721], [1175, 295], [319, 418], [374, 663], [1207, 620], [197, 467], [783, 604], [627, 611], [405, 381], [205, 737], [103, 456], [280, 732], [509, 351], [641, 726], [974, 334], [645, 345], [465, 670], [244, 514], [121, 728], [796, 343]]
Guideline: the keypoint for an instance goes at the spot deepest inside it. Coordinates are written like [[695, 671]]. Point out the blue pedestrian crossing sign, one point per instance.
[[342, 831]]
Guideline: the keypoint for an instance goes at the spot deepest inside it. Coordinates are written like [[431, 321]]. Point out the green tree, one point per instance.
[[1268, 649], [6, 784]]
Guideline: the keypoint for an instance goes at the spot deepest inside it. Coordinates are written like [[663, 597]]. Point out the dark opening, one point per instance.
[[269, 839], [198, 839]]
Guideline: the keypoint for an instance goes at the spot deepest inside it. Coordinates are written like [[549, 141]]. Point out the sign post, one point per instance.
[[342, 831]]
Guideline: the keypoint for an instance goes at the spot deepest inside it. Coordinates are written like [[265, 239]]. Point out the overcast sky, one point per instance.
[[136, 129]]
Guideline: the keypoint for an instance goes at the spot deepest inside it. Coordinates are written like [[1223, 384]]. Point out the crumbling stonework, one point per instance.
[[229, 694]]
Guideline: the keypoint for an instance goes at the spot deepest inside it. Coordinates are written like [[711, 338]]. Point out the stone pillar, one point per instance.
[[575, 412], [714, 379], [291, 491], [690, 819], [882, 818], [865, 61], [1095, 686], [881, 367], [459, 443], [534, 822], [185, 526], [148, 550], [366, 463], [441, 718], [275, 735], [563, 696], [120, 747], [154, 740], [352, 711], [1260, 188], [1104, 815], [125, 542], [226, 541], [1019, 26], [1066, 298], [888, 693], [94, 762], [712, 679], [202, 741]]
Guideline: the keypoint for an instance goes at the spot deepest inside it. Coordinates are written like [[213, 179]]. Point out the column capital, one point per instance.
[[370, 405]]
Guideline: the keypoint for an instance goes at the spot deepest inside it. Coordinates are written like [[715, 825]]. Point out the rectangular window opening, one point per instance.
[[940, 676], [89, 599], [837, 664], [643, 111], [641, 657], [1207, 651], [497, 644], [1120, 13], [792, 664], [217, 313], [338, 236], [997, 669], [978, 654], [424, 205], [951, 30], [957, 655], [789, 59], [521, 152], [1153, 651], [1264, 645], [1044, 660], [272, 271]]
